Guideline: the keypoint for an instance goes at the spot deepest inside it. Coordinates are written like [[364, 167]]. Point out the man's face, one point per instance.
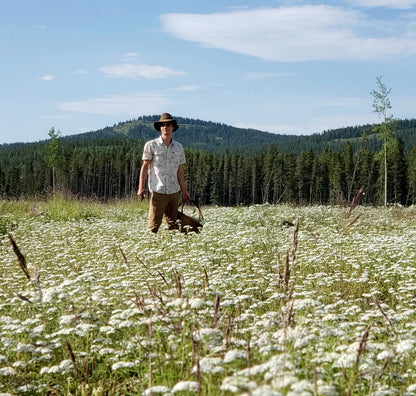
[[167, 129]]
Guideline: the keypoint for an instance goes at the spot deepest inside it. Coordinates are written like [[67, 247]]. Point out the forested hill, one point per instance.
[[214, 137], [194, 134], [217, 137], [225, 165]]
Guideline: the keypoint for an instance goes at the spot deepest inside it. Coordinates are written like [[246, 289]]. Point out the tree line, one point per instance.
[[109, 168]]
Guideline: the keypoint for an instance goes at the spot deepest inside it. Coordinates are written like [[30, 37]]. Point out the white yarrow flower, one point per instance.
[[7, 371], [185, 386], [157, 390], [121, 365], [196, 303], [209, 365], [405, 346], [234, 355], [66, 366]]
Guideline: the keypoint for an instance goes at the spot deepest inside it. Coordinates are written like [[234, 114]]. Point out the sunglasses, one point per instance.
[[166, 123]]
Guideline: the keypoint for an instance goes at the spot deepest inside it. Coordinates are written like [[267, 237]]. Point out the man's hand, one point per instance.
[[186, 196], [141, 193]]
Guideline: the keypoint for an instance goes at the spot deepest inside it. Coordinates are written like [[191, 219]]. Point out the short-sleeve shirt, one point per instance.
[[163, 168]]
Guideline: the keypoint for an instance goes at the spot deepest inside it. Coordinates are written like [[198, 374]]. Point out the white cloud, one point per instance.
[[48, 77], [294, 34], [111, 105], [398, 4], [188, 88], [265, 75], [131, 55], [135, 71]]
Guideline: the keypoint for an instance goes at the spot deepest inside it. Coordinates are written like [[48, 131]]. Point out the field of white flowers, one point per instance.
[[92, 304]]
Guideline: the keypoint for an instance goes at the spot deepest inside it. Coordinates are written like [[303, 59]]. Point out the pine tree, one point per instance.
[[53, 151]]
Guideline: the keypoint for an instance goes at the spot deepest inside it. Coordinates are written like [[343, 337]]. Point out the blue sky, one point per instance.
[[290, 67]]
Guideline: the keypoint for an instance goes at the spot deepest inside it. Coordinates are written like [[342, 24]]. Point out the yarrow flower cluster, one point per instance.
[[248, 306]]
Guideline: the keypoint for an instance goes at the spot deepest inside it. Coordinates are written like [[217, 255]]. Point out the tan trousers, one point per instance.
[[163, 204]]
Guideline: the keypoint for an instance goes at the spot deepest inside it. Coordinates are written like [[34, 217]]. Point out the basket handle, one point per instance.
[[192, 202]]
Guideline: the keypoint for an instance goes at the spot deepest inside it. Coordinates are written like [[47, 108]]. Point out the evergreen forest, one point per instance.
[[226, 166]]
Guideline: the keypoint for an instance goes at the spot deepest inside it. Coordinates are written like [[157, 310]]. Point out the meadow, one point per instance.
[[93, 304]]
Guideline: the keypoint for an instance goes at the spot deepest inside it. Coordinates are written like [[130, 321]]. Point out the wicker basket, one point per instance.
[[188, 223]]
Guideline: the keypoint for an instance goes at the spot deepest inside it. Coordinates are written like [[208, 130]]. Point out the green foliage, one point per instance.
[[217, 137], [319, 169], [386, 129], [53, 153], [53, 148], [6, 225]]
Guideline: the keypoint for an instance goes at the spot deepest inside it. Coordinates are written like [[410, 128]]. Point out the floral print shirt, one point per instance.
[[163, 168]]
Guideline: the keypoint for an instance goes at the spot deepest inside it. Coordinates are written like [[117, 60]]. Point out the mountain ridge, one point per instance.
[[215, 137]]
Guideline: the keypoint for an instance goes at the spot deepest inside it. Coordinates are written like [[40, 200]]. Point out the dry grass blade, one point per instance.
[[197, 365], [248, 353], [288, 317], [74, 361], [178, 281], [124, 258], [385, 315], [355, 375], [20, 257], [78, 315], [216, 310], [350, 224], [229, 332], [37, 280], [287, 271], [383, 368], [206, 278], [363, 344], [85, 367], [139, 301], [279, 274], [295, 241], [22, 297], [164, 279], [355, 202], [38, 214], [150, 272]]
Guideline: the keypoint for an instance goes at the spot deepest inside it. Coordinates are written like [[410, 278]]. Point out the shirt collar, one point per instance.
[[160, 140]]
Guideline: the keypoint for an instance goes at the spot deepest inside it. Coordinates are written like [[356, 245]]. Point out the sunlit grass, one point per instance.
[[249, 306]]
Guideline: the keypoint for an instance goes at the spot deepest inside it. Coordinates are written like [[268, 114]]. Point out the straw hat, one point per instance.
[[166, 117]]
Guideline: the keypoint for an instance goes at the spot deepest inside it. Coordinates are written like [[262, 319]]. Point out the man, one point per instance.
[[163, 160]]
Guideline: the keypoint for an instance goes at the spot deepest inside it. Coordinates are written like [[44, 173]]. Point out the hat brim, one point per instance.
[[157, 125]]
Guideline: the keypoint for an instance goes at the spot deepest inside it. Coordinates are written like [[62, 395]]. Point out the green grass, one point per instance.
[[245, 307]]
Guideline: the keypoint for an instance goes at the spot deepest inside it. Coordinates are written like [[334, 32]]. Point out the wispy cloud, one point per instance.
[[48, 77], [296, 34], [188, 88], [398, 4], [266, 75], [130, 104], [135, 71], [129, 56]]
